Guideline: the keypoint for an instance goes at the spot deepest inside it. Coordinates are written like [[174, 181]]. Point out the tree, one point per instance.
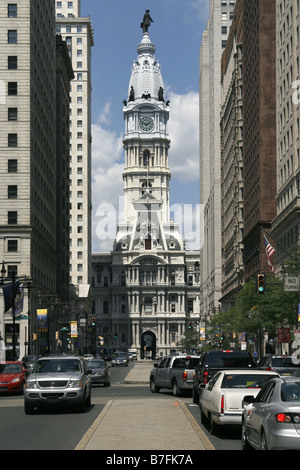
[[253, 313], [189, 341]]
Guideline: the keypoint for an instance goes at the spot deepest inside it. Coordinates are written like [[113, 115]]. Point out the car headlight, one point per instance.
[[31, 384], [17, 379], [75, 384]]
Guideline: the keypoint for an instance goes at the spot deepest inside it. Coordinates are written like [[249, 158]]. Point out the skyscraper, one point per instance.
[[214, 41], [29, 201], [77, 32]]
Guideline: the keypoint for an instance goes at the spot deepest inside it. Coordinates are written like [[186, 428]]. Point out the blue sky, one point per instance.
[[177, 31]]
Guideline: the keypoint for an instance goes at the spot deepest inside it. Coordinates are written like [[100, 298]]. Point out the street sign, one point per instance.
[[291, 284]]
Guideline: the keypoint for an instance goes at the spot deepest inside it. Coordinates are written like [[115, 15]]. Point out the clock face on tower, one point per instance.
[[146, 124]]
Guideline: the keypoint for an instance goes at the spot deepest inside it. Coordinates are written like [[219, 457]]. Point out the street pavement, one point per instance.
[[144, 424]]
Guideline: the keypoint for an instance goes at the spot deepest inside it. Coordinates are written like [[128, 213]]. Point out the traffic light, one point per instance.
[[116, 335], [93, 321], [222, 337], [190, 325], [260, 283]]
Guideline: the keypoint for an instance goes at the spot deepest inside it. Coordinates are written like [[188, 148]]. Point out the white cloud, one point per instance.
[[184, 136]]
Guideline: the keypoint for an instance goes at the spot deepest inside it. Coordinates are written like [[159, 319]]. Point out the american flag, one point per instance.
[[269, 252]]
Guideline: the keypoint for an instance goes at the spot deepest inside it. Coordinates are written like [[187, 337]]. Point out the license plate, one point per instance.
[[52, 399]]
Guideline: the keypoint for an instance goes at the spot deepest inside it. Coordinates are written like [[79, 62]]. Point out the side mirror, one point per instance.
[[155, 365], [247, 400], [89, 372]]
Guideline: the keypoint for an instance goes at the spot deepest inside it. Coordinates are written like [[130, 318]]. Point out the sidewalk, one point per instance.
[[144, 424]]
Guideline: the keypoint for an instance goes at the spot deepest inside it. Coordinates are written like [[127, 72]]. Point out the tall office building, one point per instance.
[[285, 226], [213, 43], [147, 290], [29, 217], [259, 130], [78, 33], [231, 126]]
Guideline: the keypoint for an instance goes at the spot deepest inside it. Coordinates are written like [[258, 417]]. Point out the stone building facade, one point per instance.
[[146, 291]]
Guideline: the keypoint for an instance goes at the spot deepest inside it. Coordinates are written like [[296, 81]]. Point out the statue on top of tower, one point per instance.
[[147, 20]]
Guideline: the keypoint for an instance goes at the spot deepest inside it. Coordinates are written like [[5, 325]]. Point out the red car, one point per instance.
[[12, 377]]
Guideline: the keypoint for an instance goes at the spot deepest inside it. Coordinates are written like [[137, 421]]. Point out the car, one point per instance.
[[100, 372], [88, 357], [132, 353], [222, 398], [174, 372], [213, 361], [58, 381], [12, 377], [29, 362], [120, 358], [271, 420], [284, 365]]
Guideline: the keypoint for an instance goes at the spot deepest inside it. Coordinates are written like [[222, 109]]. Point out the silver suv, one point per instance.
[[58, 380]]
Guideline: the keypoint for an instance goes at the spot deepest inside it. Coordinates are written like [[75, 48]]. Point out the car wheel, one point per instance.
[[88, 399], [176, 390], [203, 417], [153, 387], [29, 409], [195, 397], [263, 441], [213, 427], [245, 442]]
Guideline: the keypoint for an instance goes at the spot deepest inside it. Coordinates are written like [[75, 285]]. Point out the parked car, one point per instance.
[[58, 381], [284, 365], [221, 401], [12, 377], [30, 361], [271, 421], [174, 373], [213, 361], [100, 372], [120, 358]]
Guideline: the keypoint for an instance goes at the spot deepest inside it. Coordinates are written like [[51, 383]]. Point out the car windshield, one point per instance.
[[96, 365], [283, 362], [57, 365], [186, 362], [245, 380], [290, 392], [10, 369]]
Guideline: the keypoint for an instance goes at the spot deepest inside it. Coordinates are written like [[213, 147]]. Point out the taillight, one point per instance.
[[184, 376], [222, 404], [205, 377], [287, 418], [268, 368]]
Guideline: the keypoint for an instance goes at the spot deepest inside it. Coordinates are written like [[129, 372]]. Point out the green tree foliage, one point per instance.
[[253, 312]]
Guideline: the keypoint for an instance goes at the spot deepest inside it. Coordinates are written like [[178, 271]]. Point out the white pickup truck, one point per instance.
[[175, 373], [221, 401]]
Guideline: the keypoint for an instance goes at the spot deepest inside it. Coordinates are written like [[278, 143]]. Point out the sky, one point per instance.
[[176, 32]]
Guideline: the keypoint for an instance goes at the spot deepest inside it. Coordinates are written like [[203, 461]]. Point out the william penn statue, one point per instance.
[[147, 20]]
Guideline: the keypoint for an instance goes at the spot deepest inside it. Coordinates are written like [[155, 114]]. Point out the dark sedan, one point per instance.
[[100, 372]]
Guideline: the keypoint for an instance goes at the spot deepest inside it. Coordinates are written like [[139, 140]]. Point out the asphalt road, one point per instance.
[[63, 429]]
